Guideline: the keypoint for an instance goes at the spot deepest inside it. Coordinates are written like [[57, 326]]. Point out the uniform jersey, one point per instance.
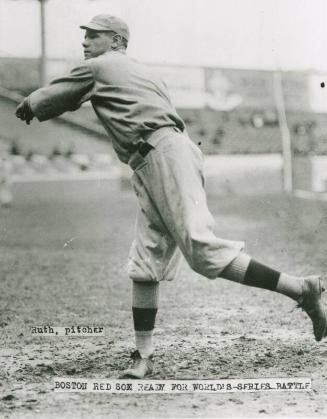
[[128, 98]]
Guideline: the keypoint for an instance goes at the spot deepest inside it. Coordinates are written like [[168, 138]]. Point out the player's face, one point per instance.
[[96, 43]]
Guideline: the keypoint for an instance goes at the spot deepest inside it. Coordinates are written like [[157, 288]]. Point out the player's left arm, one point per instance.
[[61, 95]]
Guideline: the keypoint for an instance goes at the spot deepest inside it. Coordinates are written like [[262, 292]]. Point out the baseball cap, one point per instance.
[[108, 23]]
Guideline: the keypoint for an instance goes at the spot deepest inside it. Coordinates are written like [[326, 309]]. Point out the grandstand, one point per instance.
[[227, 111], [250, 127]]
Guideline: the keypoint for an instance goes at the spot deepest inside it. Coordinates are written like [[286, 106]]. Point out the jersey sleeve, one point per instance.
[[63, 94]]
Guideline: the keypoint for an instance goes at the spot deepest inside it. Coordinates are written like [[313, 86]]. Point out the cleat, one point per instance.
[[310, 302], [141, 367]]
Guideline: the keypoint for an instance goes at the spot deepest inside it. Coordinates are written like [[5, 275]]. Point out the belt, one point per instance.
[[153, 137], [144, 149], [150, 141]]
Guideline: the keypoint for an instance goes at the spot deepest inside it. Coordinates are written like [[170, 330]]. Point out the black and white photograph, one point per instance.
[[163, 209]]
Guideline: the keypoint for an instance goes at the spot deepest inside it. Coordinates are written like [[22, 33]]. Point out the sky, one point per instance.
[[262, 34]]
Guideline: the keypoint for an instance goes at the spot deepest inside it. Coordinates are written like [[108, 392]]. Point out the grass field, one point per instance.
[[63, 253]]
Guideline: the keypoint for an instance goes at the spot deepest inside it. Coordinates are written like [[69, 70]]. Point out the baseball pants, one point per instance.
[[172, 215]]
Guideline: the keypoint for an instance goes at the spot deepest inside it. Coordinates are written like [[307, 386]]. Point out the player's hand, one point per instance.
[[24, 112]]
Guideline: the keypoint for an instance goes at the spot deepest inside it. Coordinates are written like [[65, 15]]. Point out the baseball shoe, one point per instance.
[[140, 367], [310, 302]]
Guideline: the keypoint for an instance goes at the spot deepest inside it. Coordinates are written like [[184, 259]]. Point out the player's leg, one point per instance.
[[246, 270], [153, 257], [144, 306], [306, 291], [185, 213]]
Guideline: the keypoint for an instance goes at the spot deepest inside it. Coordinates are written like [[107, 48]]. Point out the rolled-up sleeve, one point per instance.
[[63, 94]]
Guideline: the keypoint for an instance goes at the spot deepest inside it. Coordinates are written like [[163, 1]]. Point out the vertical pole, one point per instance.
[[42, 62], [285, 133]]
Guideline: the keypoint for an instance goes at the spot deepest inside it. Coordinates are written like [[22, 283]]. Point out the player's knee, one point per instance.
[[202, 268], [199, 262], [137, 272]]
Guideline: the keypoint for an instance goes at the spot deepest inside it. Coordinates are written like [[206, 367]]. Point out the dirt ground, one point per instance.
[[63, 255]]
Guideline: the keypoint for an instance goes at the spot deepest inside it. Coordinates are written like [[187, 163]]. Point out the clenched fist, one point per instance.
[[24, 112]]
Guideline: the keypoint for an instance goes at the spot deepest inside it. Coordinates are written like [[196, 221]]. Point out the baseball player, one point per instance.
[[173, 219]]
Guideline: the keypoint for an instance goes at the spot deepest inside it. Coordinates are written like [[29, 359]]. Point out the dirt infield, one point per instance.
[[63, 253]]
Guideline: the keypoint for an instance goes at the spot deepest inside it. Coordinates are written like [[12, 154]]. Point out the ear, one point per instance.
[[116, 41]]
